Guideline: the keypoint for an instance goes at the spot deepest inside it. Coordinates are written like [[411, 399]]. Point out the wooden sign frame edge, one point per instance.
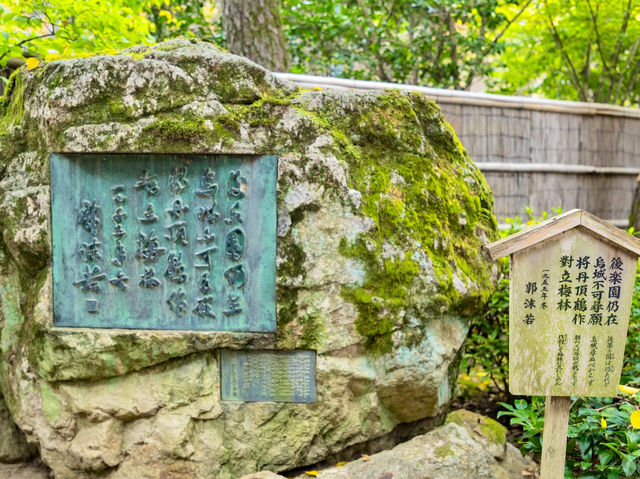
[[564, 222]]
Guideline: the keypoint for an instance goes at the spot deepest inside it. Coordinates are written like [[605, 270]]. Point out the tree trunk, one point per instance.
[[634, 218], [254, 30]]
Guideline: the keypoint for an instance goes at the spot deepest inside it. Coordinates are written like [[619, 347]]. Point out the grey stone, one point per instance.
[[476, 449], [13, 444], [263, 475], [25, 471], [117, 404]]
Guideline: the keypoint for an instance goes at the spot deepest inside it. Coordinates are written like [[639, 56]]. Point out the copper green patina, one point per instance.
[[280, 376], [164, 241]]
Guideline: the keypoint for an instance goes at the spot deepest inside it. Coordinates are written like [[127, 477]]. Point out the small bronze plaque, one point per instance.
[[164, 241], [278, 376]]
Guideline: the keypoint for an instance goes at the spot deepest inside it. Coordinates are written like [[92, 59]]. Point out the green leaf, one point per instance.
[[605, 456], [628, 466], [584, 443]]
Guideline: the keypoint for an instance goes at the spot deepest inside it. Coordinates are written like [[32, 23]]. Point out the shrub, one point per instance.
[[485, 364]]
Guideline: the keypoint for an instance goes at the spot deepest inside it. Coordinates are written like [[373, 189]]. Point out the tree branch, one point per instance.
[[623, 30], [415, 67], [616, 55], [634, 76], [558, 41], [504, 30], [587, 65], [594, 19], [454, 48], [632, 79], [27, 40], [375, 41], [486, 51]]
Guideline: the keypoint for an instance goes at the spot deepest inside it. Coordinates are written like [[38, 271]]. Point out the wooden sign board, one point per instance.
[[569, 309], [572, 281], [571, 284]]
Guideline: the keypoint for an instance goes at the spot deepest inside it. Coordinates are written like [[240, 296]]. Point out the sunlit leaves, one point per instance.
[[585, 50], [69, 28], [430, 42]]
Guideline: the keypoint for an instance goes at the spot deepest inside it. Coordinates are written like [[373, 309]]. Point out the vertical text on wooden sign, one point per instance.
[[570, 302]]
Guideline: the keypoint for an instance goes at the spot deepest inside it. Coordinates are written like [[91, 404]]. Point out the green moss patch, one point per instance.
[[425, 198]]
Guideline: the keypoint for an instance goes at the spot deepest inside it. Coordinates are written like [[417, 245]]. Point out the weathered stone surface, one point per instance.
[[492, 436], [381, 220], [25, 471], [263, 475], [467, 446], [13, 445]]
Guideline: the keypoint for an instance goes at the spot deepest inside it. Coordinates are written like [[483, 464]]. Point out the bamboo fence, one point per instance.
[[537, 153]]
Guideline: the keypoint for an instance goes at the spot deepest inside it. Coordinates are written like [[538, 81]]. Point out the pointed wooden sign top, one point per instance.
[[559, 224]]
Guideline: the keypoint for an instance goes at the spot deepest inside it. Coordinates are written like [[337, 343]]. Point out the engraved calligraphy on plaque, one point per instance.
[[279, 376], [164, 241], [571, 285]]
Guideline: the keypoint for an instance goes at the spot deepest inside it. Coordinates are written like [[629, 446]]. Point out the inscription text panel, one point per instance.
[[569, 308], [279, 376], [164, 241]]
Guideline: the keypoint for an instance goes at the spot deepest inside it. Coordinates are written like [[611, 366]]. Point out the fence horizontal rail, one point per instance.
[[443, 95], [535, 153], [556, 168]]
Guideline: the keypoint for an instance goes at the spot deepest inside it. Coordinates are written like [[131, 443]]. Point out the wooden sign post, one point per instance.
[[571, 285]]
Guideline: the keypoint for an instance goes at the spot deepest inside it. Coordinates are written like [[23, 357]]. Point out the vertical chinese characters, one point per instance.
[[206, 248], [176, 234], [565, 284], [120, 279], [89, 279], [597, 285], [234, 244], [530, 289], [615, 280]]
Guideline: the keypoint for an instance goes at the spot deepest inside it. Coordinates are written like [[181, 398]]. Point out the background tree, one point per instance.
[[66, 28], [200, 19], [253, 29], [53, 28], [431, 42], [586, 50]]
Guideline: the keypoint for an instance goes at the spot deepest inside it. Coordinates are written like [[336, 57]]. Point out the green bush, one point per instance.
[[603, 436], [485, 364]]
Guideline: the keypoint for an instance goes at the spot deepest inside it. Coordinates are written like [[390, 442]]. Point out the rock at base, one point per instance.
[[467, 446], [24, 471], [13, 445], [263, 475]]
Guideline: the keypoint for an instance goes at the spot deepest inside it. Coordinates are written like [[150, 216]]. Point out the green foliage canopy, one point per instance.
[[586, 50], [434, 42], [67, 28]]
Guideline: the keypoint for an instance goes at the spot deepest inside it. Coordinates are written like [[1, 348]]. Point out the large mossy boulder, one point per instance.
[[381, 222]]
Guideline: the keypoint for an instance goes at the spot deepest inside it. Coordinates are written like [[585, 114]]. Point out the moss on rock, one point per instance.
[[381, 221], [491, 430]]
